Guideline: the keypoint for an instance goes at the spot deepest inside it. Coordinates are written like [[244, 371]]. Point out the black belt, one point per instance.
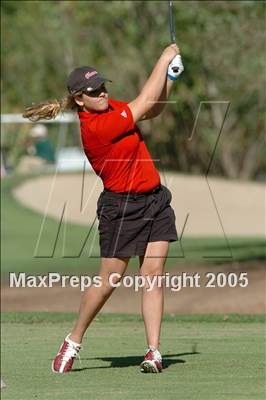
[[136, 194]]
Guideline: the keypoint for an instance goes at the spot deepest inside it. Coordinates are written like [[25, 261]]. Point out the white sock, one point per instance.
[[71, 341]]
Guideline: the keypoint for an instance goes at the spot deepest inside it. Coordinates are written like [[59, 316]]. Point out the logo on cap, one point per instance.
[[88, 75]]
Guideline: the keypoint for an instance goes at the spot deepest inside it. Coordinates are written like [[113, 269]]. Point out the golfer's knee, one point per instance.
[[110, 282], [151, 268]]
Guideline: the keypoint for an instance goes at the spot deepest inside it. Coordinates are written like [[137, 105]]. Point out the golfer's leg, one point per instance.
[[153, 300], [94, 297]]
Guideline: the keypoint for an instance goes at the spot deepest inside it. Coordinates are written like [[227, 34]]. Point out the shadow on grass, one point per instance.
[[131, 361]]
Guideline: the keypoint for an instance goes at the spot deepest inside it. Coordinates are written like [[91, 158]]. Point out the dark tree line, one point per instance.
[[223, 49]]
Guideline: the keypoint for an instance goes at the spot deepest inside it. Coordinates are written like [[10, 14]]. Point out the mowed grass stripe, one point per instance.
[[56, 317]]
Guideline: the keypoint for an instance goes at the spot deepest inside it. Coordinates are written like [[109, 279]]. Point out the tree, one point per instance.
[[222, 44]]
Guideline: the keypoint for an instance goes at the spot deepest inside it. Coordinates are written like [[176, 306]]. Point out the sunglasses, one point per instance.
[[96, 92]]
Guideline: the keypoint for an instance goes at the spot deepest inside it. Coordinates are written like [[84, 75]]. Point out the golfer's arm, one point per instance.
[[160, 104], [152, 90]]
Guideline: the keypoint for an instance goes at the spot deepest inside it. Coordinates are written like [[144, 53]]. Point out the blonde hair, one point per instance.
[[51, 108]]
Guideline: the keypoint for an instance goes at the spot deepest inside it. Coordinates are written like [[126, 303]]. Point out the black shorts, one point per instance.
[[129, 221]]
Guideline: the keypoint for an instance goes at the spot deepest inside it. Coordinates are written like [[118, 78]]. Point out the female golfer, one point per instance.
[[134, 212]]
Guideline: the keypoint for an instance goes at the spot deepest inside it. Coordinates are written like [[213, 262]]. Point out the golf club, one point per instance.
[[172, 26]]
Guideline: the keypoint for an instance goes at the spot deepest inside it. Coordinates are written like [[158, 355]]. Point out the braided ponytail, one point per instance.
[[51, 108]]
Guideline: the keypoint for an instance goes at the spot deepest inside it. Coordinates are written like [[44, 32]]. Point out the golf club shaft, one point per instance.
[[171, 22], [172, 26]]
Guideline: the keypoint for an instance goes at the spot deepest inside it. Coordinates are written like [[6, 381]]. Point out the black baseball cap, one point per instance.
[[84, 78]]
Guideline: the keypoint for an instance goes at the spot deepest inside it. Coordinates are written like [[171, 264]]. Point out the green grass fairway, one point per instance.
[[228, 363]]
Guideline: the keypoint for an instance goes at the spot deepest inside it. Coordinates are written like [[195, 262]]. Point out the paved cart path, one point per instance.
[[248, 300]]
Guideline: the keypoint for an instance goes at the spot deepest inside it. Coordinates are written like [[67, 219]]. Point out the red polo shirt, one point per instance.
[[116, 150]]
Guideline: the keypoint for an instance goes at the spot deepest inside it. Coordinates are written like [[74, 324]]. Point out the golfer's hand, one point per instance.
[[175, 68], [170, 52]]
